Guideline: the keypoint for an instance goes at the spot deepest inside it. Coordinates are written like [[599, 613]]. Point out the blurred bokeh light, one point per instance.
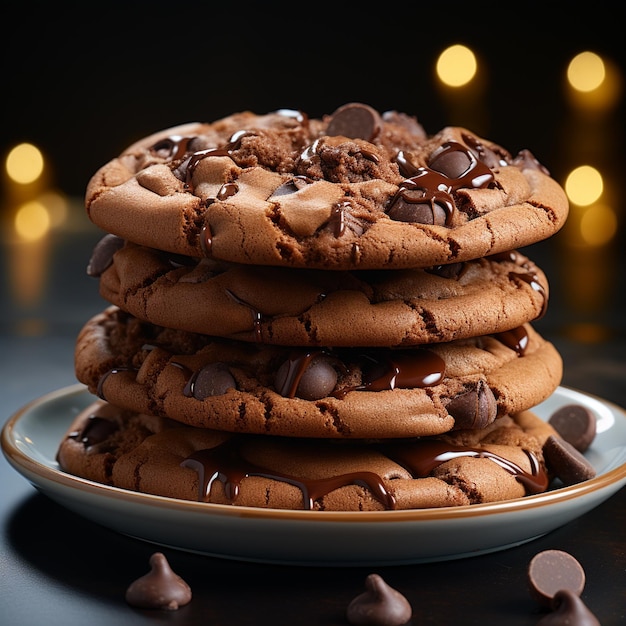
[[456, 66], [24, 163]]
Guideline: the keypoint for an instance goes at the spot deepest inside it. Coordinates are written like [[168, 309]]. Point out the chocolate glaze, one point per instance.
[[226, 463]]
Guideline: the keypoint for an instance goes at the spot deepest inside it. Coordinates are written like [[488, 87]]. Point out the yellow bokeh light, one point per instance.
[[32, 221], [584, 185], [598, 225], [456, 66], [24, 163], [56, 206], [586, 71]]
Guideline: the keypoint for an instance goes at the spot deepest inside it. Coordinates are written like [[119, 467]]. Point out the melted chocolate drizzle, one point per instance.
[[226, 463], [435, 186]]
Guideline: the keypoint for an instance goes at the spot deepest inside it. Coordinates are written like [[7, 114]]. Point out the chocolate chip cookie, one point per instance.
[[299, 307], [332, 392], [352, 190], [158, 456]]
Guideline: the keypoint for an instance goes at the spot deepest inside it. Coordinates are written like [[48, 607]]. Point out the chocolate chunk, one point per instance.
[[406, 121], [102, 255], [96, 430], [316, 381], [160, 588], [576, 424], [566, 462], [413, 206], [476, 408], [213, 379], [552, 571], [356, 121], [451, 270], [568, 609], [526, 160], [451, 163], [379, 605]]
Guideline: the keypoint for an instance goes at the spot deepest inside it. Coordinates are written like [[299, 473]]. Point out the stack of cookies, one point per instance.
[[326, 314]]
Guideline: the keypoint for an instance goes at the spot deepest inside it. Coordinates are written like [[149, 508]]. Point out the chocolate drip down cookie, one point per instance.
[[142, 453]]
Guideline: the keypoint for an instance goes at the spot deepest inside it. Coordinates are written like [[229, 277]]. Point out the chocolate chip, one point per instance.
[[476, 408], [408, 122], [576, 424], [356, 121], [450, 163], [568, 609], [160, 588], [95, 430], [526, 160], [451, 270], [380, 604], [552, 571], [412, 206], [102, 255], [213, 379], [566, 462]]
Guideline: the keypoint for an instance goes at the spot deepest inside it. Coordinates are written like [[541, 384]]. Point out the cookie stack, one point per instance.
[[318, 313]]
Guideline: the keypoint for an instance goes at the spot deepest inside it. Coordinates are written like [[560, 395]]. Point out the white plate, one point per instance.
[[31, 437]]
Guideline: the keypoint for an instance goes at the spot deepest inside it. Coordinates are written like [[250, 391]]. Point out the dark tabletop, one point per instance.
[[58, 568]]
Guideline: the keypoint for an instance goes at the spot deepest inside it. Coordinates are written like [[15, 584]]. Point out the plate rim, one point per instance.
[[34, 470]]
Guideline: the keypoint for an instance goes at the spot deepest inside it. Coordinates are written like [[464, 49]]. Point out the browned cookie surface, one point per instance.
[[301, 307], [162, 457], [318, 392], [353, 190]]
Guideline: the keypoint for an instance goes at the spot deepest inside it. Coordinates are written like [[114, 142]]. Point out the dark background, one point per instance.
[[84, 80]]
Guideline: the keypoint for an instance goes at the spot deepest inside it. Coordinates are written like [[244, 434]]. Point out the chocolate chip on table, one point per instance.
[[569, 609], [160, 588], [576, 424], [567, 463], [102, 255], [379, 605], [552, 571], [356, 121]]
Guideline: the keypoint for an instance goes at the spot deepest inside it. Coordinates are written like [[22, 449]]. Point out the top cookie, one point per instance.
[[353, 190]]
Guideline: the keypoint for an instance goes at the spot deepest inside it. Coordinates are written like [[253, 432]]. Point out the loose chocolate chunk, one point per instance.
[[569, 610], [356, 121], [476, 408], [160, 588], [379, 605], [576, 424], [566, 462], [213, 379], [102, 255], [552, 571]]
